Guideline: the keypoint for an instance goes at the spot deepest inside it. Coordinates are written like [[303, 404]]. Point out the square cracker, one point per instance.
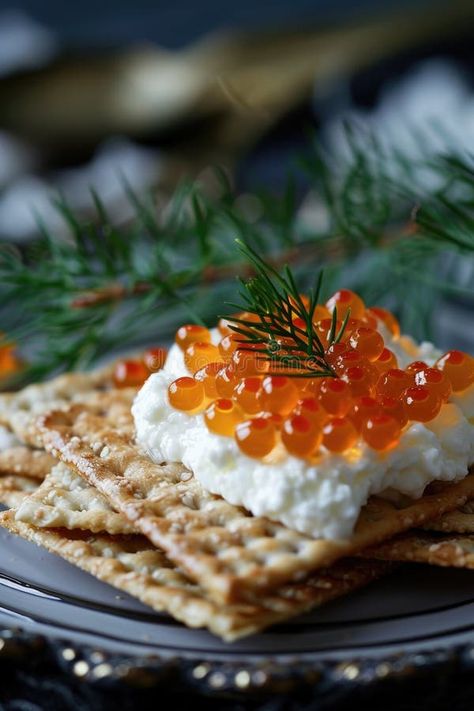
[[459, 521], [14, 488], [25, 461], [448, 550], [132, 564], [230, 553], [66, 500], [18, 410]]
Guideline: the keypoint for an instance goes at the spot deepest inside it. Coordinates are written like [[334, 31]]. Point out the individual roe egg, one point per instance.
[[458, 367], [256, 437], [222, 416], [186, 394]]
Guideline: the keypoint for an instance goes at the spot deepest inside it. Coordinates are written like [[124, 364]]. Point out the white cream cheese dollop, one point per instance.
[[322, 499]]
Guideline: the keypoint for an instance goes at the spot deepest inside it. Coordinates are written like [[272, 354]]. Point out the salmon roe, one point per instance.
[[207, 376], [257, 437], [199, 354], [312, 409], [436, 380], [394, 406], [363, 408], [361, 378], [339, 434], [367, 342], [249, 361], [154, 358], [242, 392], [421, 403], [279, 394], [387, 360], [192, 333], [222, 416], [226, 381], [381, 431], [335, 396], [130, 374], [387, 318], [394, 382], [186, 394], [300, 435], [248, 394], [343, 300], [228, 345], [416, 366], [458, 367]]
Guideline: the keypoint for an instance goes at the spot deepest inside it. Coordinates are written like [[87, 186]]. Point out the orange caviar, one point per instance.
[[199, 354], [459, 368], [249, 361], [387, 318], [192, 333], [247, 394], [363, 408], [394, 382], [130, 374], [228, 345], [421, 403], [222, 416], [226, 381], [9, 361], [300, 435], [359, 393], [361, 378], [207, 376], [344, 300], [154, 358], [312, 409], [381, 431], [387, 360], [336, 351], [394, 406], [186, 394], [335, 396], [320, 313], [279, 394], [339, 434], [256, 437], [435, 380], [416, 366], [367, 342]]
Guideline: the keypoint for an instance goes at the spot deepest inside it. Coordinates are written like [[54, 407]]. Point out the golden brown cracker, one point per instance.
[[132, 564], [448, 550], [232, 554]]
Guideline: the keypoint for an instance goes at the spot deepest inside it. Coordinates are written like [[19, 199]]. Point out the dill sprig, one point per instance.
[[283, 335]]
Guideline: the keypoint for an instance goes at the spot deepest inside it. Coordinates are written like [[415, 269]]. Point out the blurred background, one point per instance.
[[157, 92]]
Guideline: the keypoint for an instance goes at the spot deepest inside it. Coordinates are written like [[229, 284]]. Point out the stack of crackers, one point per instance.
[[76, 483]]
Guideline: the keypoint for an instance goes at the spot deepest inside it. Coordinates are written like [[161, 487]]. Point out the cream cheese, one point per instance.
[[322, 499]]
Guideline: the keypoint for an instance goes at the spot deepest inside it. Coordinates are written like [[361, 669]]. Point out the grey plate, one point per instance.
[[413, 609]]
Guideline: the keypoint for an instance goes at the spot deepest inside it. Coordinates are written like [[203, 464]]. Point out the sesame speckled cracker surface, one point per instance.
[[231, 554]]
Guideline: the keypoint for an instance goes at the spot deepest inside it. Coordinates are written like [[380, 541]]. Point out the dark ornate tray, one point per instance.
[[77, 641]]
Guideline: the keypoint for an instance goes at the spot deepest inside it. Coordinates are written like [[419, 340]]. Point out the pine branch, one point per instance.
[[68, 302]]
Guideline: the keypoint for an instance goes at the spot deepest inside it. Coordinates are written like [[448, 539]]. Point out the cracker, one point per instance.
[[459, 521], [18, 410], [65, 500], [131, 564], [14, 488], [452, 551], [25, 461], [232, 554]]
